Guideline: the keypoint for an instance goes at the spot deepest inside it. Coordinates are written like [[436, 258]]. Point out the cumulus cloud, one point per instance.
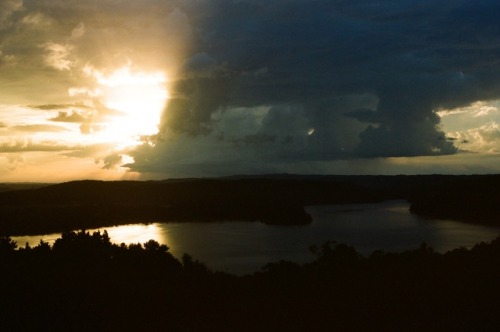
[[485, 138], [260, 86], [474, 127], [368, 78], [112, 161]]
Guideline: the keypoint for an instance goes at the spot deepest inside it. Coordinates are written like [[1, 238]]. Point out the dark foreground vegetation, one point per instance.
[[85, 283], [276, 199]]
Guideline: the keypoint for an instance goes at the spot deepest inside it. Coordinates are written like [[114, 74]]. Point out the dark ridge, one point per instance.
[[273, 199], [474, 199], [7, 186], [86, 204]]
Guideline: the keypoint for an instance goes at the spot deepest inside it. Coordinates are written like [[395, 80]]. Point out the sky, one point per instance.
[[156, 89]]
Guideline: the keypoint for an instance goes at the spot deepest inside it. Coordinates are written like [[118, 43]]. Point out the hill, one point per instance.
[[272, 199], [88, 204]]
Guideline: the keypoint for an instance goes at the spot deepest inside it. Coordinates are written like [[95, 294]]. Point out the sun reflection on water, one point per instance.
[[134, 233]]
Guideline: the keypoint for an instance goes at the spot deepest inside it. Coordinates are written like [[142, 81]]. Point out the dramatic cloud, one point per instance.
[[338, 80], [253, 86]]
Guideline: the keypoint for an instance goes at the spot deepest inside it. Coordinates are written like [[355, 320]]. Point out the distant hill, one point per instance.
[[7, 186], [272, 199], [475, 199], [87, 204]]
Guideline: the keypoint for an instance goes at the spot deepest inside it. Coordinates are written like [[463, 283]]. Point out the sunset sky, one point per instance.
[[155, 89]]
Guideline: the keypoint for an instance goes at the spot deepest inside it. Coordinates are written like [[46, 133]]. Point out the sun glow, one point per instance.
[[139, 97]]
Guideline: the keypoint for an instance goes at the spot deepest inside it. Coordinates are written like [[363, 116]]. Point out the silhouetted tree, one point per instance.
[[193, 266], [7, 244], [7, 247]]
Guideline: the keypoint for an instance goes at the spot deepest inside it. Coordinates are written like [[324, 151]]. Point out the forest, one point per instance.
[[273, 199], [83, 282]]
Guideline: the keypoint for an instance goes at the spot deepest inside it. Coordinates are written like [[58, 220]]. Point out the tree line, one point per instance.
[[84, 282]]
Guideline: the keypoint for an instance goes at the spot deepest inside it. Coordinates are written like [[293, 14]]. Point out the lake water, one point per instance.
[[244, 247]]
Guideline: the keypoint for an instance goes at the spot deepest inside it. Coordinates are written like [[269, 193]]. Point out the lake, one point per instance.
[[244, 247]]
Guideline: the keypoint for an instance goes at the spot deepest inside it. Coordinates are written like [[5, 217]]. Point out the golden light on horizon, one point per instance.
[[139, 97]]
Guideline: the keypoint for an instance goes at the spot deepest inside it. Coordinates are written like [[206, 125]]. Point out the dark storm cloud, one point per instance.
[[340, 79], [269, 81], [194, 100]]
